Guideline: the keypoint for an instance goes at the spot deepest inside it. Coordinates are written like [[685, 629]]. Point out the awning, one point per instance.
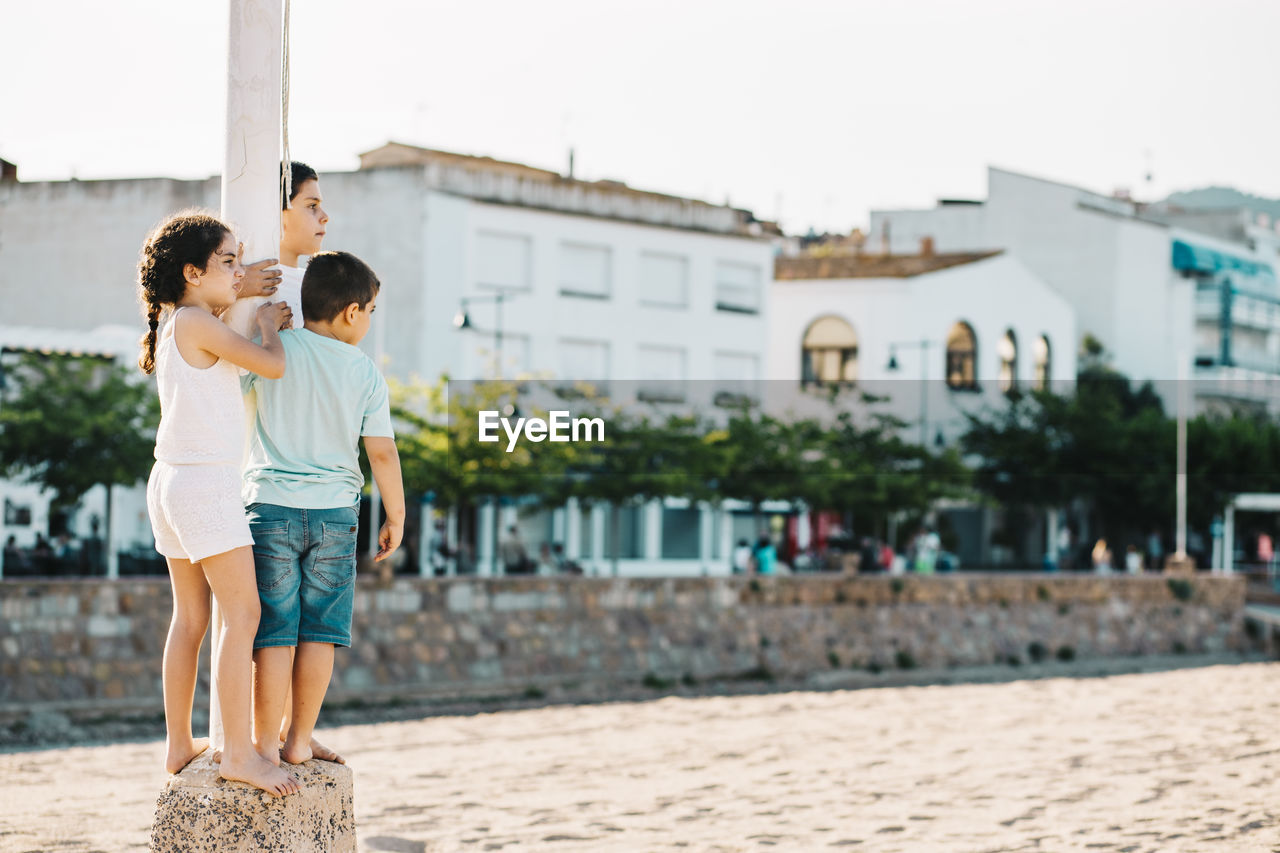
[[1188, 256]]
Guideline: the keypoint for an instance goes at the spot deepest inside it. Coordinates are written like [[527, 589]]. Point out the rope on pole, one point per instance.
[[286, 171]]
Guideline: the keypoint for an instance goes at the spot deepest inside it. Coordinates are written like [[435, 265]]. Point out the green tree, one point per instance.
[[641, 459], [1109, 443], [871, 472], [69, 424]]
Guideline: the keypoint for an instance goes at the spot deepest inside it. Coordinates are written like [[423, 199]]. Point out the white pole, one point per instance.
[[1229, 539], [1181, 530], [250, 177], [113, 559], [426, 537], [572, 529]]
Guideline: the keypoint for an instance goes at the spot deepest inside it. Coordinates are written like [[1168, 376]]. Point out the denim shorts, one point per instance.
[[306, 566]]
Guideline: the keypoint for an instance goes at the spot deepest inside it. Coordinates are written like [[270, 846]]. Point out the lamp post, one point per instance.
[[462, 322], [892, 366]]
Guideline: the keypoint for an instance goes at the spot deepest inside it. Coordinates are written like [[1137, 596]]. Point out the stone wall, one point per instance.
[[97, 645]]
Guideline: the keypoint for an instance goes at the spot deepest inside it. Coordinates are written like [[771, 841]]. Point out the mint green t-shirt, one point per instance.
[[304, 446]]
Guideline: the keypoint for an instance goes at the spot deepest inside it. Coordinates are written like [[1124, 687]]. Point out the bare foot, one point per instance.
[[324, 753], [260, 773], [271, 753], [179, 755], [318, 750]]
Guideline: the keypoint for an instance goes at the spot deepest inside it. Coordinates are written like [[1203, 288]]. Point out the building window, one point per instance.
[[584, 360], [1008, 349], [1043, 355], [829, 353], [962, 357], [664, 280], [502, 261], [584, 270], [662, 373], [512, 361], [737, 287], [681, 533], [737, 379]]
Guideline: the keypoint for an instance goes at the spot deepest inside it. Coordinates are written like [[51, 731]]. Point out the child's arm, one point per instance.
[[259, 279], [211, 335], [384, 460]]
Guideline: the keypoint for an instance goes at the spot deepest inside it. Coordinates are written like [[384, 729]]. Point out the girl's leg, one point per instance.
[[234, 584], [181, 660]]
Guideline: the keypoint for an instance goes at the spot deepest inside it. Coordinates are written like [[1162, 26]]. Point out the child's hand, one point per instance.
[[275, 316], [388, 539], [258, 280]]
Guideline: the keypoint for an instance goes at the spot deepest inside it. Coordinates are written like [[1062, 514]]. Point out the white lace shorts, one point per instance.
[[196, 510]]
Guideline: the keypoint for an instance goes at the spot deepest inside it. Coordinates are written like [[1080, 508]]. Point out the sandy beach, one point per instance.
[[1185, 760]]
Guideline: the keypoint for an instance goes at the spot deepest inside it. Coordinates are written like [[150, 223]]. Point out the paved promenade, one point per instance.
[[1185, 760]]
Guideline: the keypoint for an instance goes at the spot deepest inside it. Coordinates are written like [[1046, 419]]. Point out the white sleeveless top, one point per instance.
[[201, 410]]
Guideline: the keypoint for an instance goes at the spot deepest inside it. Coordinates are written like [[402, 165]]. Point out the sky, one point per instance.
[[809, 112]]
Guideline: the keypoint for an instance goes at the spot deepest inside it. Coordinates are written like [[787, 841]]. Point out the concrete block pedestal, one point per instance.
[[198, 812]]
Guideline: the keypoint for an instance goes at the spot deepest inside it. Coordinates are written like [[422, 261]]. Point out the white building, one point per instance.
[[1147, 284], [598, 281], [939, 334]]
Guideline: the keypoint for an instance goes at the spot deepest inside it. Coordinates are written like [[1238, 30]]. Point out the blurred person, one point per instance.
[[886, 557], [1101, 557], [14, 559], [766, 555], [511, 552], [927, 545], [1155, 550], [1066, 552], [868, 555], [545, 565], [742, 556], [66, 547], [1132, 560]]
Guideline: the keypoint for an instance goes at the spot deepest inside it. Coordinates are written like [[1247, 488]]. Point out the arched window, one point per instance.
[[1009, 362], [829, 352], [962, 357], [1044, 364]]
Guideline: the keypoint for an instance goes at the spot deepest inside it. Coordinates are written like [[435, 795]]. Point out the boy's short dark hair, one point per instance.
[[333, 281], [299, 174]]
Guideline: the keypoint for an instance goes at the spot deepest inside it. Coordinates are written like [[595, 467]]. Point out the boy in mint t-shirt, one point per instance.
[[302, 488]]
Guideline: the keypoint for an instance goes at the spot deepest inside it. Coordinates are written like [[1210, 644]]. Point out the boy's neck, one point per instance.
[[288, 258], [325, 328]]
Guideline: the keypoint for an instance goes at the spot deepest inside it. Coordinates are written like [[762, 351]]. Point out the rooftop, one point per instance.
[[871, 266], [505, 182]]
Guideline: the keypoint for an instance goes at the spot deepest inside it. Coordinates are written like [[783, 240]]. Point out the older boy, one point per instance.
[[302, 485]]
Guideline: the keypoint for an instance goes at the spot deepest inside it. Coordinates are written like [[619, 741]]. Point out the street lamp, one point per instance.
[[892, 366], [462, 321]]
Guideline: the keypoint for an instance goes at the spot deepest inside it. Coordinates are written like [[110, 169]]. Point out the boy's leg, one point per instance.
[[318, 750], [312, 669], [277, 540], [327, 595], [181, 661], [272, 673]]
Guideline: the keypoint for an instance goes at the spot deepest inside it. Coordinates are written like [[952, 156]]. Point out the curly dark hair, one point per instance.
[[189, 237]]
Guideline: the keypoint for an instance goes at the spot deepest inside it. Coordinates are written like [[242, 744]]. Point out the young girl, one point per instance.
[[190, 267]]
